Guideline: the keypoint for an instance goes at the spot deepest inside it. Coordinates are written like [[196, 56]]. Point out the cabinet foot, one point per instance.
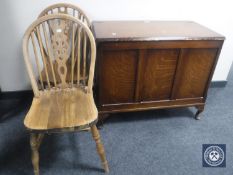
[[200, 109], [102, 118]]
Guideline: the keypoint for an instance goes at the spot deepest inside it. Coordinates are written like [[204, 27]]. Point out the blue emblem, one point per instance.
[[214, 155]]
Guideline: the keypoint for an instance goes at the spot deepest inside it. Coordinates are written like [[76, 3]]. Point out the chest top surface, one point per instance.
[[152, 31]]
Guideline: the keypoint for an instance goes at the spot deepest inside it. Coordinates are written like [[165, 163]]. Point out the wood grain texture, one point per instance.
[[172, 64], [64, 105], [158, 74], [59, 30], [118, 76], [61, 109], [134, 45], [139, 75], [77, 12], [60, 45], [149, 105], [193, 72], [152, 31]]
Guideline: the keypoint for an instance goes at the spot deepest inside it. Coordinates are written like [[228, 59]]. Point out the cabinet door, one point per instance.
[[117, 76], [193, 72], [158, 75]]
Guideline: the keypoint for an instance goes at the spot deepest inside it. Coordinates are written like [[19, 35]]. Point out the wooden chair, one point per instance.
[[63, 105]]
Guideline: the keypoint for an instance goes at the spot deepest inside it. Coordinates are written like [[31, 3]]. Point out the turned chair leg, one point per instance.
[[35, 141], [99, 147]]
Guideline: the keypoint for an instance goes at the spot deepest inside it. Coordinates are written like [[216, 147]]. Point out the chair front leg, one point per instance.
[[35, 141], [99, 147]]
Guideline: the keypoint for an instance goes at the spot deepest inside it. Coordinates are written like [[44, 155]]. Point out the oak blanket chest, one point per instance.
[[145, 65]]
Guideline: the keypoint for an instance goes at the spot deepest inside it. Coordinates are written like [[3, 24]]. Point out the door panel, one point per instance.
[[158, 75], [118, 76], [193, 72]]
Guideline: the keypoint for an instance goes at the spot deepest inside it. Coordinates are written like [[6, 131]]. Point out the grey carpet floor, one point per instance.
[[164, 142]]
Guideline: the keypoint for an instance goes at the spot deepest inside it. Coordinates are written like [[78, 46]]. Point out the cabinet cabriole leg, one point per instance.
[[200, 109]]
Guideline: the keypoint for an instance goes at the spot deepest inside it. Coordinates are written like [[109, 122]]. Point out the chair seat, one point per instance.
[[61, 109]]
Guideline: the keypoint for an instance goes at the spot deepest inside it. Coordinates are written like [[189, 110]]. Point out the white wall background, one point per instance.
[[17, 15]]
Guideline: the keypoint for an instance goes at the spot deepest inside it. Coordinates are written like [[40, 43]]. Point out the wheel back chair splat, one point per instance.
[[72, 10], [64, 104]]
